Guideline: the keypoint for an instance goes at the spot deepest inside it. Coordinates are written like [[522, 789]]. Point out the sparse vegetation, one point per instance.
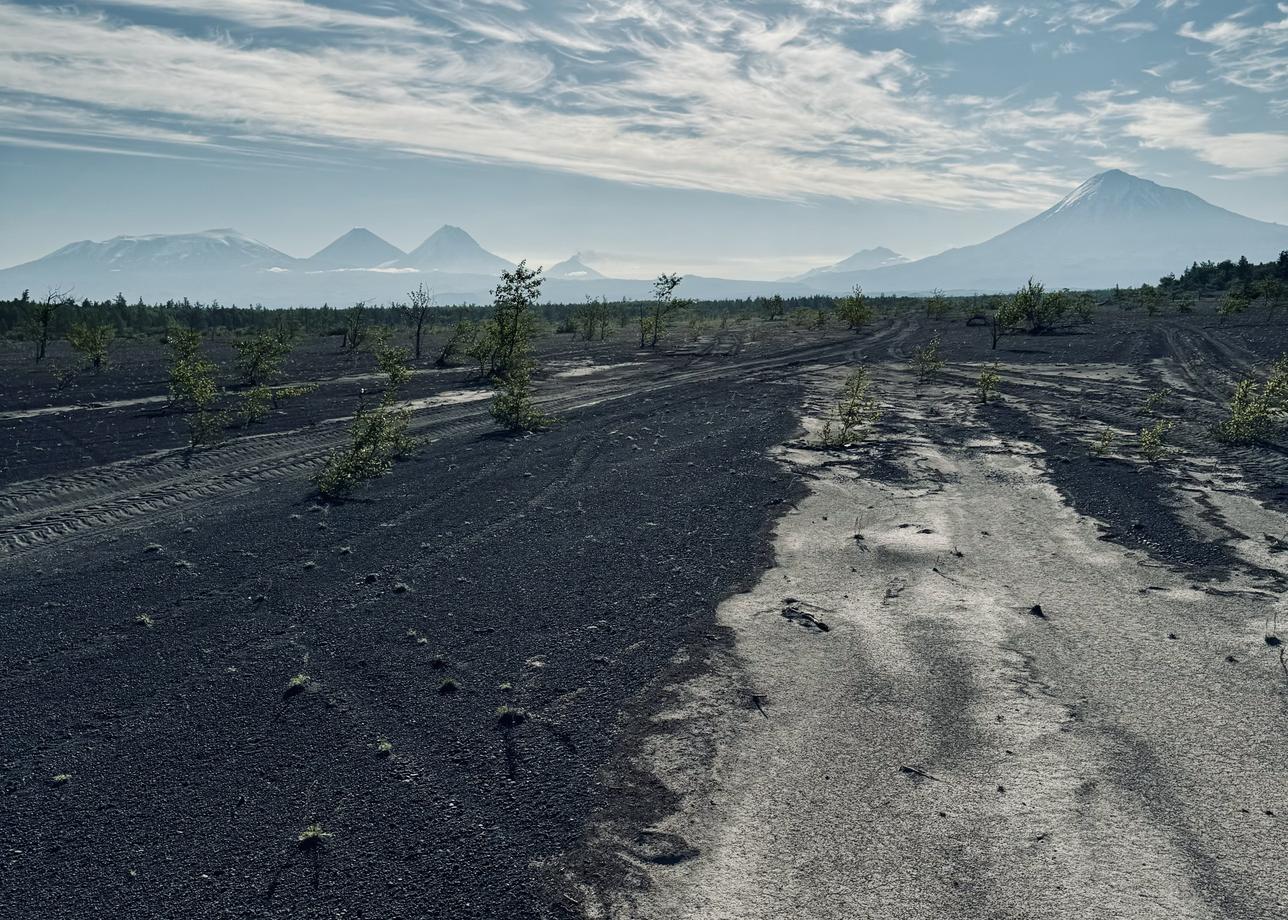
[[260, 357], [653, 319], [988, 382], [1155, 400], [193, 388], [856, 411], [508, 716], [384, 748], [90, 340], [448, 685], [512, 327], [927, 360], [313, 836], [420, 303], [378, 435], [591, 319], [1153, 445], [459, 341], [297, 684], [855, 310], [1103, 444], [1256, 409]]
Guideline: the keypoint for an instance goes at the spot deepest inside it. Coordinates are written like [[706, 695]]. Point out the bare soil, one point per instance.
[[647, 582]]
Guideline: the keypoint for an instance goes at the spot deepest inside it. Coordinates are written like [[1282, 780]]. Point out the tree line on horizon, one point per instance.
[[58, 315]]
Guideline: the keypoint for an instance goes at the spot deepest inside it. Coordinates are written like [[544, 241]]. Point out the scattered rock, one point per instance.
[[807, 620], [1036, 611]]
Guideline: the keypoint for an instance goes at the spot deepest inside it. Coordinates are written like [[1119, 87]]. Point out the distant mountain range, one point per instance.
[[1113, 229], [864, 259]]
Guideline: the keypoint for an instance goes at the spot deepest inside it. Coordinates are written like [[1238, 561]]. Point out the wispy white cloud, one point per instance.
[[762, 98], [1247, 53]]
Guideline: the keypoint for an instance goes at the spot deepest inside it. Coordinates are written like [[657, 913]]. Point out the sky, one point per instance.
[[747, 139]]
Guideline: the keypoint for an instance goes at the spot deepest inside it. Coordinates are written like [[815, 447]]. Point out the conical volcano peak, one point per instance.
[[358, 248], [1115, 193], [451, 249]]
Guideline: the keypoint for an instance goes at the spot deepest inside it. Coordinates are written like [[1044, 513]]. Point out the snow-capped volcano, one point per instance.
[[1114, 228], [207, 251], [451, 249], [359, 248]]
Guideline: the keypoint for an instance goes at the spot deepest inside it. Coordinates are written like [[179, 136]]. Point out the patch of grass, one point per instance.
[[144, 620], [297, 684], [60, 779], [448, 686], [384, 748]]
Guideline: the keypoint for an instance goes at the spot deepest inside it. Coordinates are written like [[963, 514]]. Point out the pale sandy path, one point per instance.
[[940, 751]]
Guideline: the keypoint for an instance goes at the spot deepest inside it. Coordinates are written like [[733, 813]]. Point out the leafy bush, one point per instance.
[[1155, 400], [459, 341], [854, 309], [1152, 446], [260, 357], [91, 341], [856, 411], [378, 436], [937, 305], [192, 386], [988, 382], [514, 407], [1255, 410], [927, 360], [1104, 443]]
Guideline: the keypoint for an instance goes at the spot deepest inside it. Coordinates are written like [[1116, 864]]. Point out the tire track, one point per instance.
[[39, 513]]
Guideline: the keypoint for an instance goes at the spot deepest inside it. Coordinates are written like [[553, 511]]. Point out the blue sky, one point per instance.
[[748, 139]]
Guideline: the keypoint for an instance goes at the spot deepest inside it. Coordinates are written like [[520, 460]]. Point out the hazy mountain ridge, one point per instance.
[[877, 257], [1112, 229]]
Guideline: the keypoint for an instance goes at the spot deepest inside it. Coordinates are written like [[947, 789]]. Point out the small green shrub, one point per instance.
[[313, 836], [855, 412], [379, 437], [1155, 400], [854, 309], [988, 382], [1152, 441], [1256, 409], [508, 716], [927, 360], [513, 407], [1103, 444], [91, 340], [260, 357]]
